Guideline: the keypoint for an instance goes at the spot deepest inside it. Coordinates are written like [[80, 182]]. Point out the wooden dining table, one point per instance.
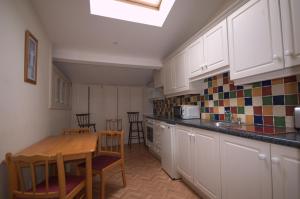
[[72, 147]]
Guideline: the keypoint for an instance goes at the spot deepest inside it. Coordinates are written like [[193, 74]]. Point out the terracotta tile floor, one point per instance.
[[145, 179]]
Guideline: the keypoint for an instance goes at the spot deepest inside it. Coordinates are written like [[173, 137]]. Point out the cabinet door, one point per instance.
[[169, 78], [291, 31], [216, 47], [255, 39], [207, 175], [196, 59], [285, 172], [184, 153], [245, 168], [157, 78], [181, 72]]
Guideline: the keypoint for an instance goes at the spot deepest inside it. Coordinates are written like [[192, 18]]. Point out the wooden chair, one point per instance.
[[73, 131], [46, 186], [114, 125], [84, 121], [110, 155], [135, 126]]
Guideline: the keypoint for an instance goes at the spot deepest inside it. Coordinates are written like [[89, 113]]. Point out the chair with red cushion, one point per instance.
[[110, 156], [33, 183]]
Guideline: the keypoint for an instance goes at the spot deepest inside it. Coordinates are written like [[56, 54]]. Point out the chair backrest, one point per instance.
[[133, 116], [83, 118], [114, 125], [73, 131], [111, 143], [28, 165]]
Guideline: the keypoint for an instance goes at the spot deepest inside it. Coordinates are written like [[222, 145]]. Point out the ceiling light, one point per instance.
[[133, 12]]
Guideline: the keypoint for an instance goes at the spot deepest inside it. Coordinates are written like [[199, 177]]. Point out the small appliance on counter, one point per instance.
[[297, 118], [187, 112]]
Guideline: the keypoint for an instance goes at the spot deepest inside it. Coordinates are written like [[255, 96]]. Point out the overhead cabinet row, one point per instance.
[[262, 36]]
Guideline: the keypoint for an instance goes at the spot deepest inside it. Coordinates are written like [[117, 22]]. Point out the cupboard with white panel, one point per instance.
[[245, 168], [225, 166], [198, 159], [209, 53], [290, 17], [255, 39], [285, 172]]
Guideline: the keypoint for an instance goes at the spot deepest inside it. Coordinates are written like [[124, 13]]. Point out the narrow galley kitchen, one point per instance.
[[155, 99]]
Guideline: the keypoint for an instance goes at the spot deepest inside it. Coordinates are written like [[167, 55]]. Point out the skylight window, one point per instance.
[[134, 10], [149, 3]]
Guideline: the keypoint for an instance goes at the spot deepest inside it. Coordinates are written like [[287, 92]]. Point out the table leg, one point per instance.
[[89, 176]]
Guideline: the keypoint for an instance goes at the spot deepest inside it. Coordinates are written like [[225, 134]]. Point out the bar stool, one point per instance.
[[135, 126]]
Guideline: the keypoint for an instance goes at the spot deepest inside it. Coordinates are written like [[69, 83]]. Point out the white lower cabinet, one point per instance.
[[207, 176], [245, 168], [285, 172], [184, 152], [198, 159], [231, 167]]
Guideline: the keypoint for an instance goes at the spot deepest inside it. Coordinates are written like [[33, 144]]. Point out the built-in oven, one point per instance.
[[149, 132]]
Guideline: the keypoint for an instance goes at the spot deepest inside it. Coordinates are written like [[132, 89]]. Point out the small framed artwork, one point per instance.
[[30, 61]]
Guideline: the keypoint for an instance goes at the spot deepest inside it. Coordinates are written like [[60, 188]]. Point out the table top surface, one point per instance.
[[64, 144]]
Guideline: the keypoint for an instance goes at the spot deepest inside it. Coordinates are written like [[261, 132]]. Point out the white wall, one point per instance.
[[103, 103], [25, 117]]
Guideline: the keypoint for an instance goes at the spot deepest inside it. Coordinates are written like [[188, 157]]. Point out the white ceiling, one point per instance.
[[107, 75], [79, 37]]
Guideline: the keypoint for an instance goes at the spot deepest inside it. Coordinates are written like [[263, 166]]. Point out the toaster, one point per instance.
[[297, 117]]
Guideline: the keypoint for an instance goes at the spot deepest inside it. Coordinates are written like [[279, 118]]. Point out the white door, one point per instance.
[[184, 153], [181, 72], [245, 168], [123, 108], [196, 59], [207, 175], [79, 102], [110, 102], [255, 39], [285, 172], [291, 31], [216, 47], [96, 106]]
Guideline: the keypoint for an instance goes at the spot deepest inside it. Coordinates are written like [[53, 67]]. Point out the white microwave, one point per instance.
[[187, 112]]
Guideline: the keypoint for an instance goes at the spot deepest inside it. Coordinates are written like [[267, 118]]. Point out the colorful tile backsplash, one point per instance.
[[269, 102]]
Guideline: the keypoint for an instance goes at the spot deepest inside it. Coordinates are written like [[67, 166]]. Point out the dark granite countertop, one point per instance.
[[282, 136]]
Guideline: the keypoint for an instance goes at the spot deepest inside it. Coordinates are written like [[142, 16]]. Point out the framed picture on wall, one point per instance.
[[30, 61]]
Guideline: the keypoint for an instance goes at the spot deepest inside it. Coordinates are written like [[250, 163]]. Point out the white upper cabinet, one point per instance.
[[245, 168], [291, 31], [181, 72], [169, 83], [216, 47], [209, 52], [196, 59], [157, 77], [255, 39], [285, 172]]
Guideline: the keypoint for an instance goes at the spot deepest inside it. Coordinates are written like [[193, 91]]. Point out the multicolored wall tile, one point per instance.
[[269, 103]]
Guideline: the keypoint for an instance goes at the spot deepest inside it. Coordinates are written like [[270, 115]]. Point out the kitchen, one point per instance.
[[216, 85]]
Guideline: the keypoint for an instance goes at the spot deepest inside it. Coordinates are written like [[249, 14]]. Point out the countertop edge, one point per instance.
[[234, 132]]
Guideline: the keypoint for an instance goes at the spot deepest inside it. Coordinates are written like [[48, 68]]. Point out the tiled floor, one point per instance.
[[145, 180]]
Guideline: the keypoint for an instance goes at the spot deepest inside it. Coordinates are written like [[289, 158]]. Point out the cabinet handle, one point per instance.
[[288, 53], [276, 57], [161, 126], [262, 156], [275, 160]]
